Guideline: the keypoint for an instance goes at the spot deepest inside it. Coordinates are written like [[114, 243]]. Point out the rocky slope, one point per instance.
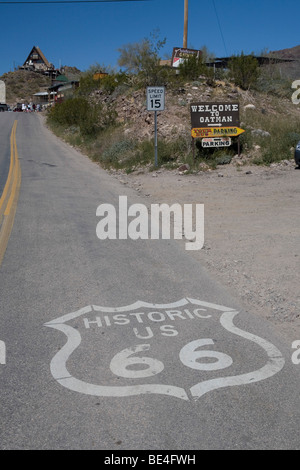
[[174, 121], [22, 84], [290, 69]]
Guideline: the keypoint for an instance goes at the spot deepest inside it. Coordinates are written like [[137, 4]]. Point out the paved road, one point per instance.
[[124, 344], [4, 149]]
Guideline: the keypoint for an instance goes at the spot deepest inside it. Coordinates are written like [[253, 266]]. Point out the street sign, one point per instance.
[[180, 54], [215, 115], [216, 132], [155, 102], [155, 98], [216, 142]]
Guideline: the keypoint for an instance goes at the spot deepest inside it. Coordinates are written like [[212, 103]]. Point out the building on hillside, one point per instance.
[[98, 75], [61, 87], [43, 97], [37, 62], [57, 92], [222, 62]]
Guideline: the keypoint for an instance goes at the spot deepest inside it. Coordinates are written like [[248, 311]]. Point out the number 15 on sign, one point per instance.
[[155, 102], [155, 98]]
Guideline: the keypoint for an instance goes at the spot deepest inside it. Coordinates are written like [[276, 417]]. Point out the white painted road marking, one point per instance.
[[132, 363], [2, 353], [274, 364]]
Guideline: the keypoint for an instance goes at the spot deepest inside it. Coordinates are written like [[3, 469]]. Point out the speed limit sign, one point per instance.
[[155, 102], [155, 98]]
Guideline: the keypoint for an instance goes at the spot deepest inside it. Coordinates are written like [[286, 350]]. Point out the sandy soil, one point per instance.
[[252, 231]]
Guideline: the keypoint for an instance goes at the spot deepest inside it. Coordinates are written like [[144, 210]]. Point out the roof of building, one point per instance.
[[39, 52], [61, 78], [44, 93], [60, 84], [222, 62]]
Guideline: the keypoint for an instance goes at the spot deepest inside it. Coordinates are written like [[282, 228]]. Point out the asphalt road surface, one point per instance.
[[123, 344], [4, 152]]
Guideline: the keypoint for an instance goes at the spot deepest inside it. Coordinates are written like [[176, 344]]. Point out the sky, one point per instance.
[[84, 34]]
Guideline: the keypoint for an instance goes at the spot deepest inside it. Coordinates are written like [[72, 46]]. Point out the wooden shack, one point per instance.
[[99, 75]]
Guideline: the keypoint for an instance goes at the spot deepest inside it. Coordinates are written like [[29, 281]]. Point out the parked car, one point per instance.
[[18, 108], [297, 154], [3, 107]]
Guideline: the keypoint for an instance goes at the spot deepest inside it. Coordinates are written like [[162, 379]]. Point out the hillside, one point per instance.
[[290, 69], [272, 123], [270, 119], [22, 84]]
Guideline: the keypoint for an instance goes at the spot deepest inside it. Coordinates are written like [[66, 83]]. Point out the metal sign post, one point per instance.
[[155, 102], [155, 138]]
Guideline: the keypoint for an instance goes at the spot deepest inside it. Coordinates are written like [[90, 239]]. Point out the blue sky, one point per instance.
[[81, 35]]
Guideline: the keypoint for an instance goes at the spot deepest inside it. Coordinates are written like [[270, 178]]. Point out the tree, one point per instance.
[[142, 58], [244, 70], [191, 67], [206, 54]]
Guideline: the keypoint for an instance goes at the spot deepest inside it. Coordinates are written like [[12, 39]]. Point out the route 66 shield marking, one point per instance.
[[140, 368]]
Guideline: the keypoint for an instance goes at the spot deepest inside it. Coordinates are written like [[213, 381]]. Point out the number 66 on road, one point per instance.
[[188, 355], [134, 363]]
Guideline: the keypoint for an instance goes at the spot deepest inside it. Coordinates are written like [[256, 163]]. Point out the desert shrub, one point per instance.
[[87, 84], [193, 67], [130, 153], [293, 137], [142, 60], [223, 159], [77, 112], [284, 134], [244, 70], [112, 81], [118, 151], [274, 86]]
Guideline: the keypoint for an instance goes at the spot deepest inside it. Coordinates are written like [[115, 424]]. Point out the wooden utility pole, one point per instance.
[[185, 29]]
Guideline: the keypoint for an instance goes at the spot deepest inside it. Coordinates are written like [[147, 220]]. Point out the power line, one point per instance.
[[220, 27], [40, 2]]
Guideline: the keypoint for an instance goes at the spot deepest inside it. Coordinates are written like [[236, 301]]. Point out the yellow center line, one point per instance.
[[11, 167], [10, 194], [16, 175]]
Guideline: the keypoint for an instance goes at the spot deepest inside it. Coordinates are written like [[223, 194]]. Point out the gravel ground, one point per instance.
[[252, 231]]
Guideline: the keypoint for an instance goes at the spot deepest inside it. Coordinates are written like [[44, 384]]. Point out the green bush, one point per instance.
[[142, 60], [244, 70], [118, 151], [70, 112], [110, 82], [223, 159], [130, 153], [192, 67], [79, 112], [283, 137]]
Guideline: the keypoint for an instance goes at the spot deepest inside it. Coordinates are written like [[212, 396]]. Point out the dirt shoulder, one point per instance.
[[252, 229]]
